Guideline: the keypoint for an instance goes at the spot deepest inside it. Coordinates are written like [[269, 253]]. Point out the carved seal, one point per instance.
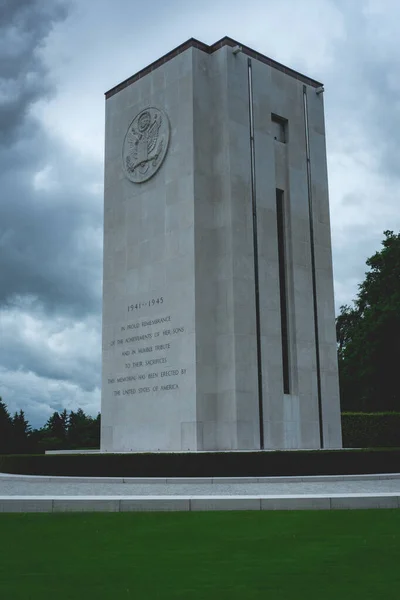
[[145, 144]]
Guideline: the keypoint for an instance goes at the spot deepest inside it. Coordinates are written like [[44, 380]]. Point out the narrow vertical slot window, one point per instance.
[[280, 216]]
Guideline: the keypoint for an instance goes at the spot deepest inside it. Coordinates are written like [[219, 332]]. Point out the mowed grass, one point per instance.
[[328, 555]]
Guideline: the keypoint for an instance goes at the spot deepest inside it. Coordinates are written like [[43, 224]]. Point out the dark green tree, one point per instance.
[[62, 431], [80, 429], [6, 429], [368, 335], [21, 431], [54, 434], [96, 431], [58, 425]]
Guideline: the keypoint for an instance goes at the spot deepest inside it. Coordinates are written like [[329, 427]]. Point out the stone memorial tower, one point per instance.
[[218, 313]]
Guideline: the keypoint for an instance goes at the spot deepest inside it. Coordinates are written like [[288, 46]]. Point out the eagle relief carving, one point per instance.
[[145, 144]]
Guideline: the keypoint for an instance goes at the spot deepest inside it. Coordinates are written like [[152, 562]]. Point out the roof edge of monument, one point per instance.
[[193, 43]]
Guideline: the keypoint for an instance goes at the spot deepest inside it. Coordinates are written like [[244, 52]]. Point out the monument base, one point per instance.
[[175, 465]]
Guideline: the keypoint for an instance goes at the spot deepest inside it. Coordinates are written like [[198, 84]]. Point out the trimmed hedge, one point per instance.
[[207, 464], [371, 430]]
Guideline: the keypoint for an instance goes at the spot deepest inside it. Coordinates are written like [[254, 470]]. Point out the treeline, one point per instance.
[[368, 336], [63, 431]]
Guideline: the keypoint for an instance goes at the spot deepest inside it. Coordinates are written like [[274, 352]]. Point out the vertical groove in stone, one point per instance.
[[313, 272], [255, 248], [280, 218]]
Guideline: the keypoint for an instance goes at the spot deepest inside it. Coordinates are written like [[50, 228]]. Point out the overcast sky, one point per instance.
[[57, 58]]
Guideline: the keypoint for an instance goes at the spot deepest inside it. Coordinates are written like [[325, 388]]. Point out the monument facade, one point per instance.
[[218, 312]]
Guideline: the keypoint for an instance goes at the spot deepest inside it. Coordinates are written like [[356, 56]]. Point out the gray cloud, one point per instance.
[[50, 233], [24, 25], [44, 213], [364, 90], [363, 136], [45, 249]]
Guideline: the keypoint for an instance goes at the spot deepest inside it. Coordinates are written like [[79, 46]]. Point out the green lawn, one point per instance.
[[326, 555]]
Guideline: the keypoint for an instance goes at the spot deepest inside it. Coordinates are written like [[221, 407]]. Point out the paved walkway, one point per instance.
[[14, 485], [21, 493]]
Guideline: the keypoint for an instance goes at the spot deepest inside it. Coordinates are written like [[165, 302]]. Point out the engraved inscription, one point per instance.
[[145, 363]]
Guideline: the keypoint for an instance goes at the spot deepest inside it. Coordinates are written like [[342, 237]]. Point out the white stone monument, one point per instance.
[[218, 313]]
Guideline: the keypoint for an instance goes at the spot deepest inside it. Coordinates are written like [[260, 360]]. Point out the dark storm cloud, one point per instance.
[[45, 215], [50, 233], [46, 251], [24, 24]]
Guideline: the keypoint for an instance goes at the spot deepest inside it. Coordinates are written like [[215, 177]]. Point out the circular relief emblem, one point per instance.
[[145, 144]]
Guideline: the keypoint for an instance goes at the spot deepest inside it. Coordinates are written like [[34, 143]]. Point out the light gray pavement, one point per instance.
[[21, 493], [13, 485]]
